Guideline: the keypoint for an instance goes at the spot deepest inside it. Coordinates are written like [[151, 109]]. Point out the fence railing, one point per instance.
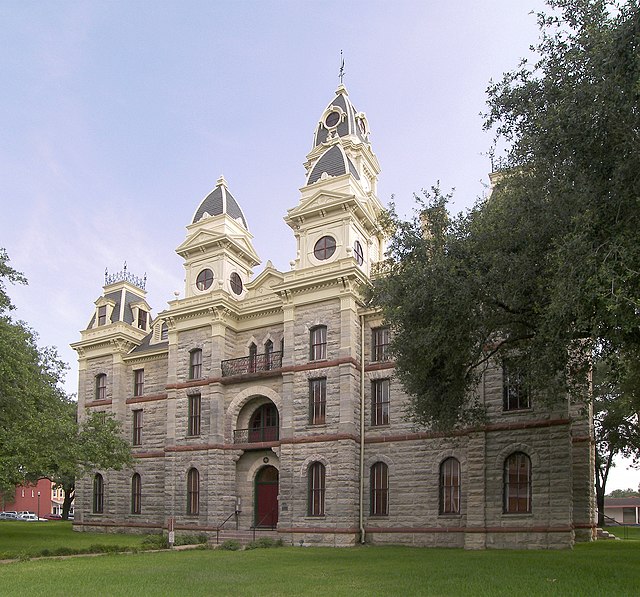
[[252, 364], [257, 434]]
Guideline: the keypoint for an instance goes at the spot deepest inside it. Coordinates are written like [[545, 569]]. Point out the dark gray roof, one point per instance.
[[334, 162], [220, 201], [347, 126]]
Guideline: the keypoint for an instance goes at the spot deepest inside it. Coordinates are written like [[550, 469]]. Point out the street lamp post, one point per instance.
[[38, 505]]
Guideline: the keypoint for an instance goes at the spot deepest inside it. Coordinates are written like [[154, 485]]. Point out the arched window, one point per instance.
[[450, 486], [263, 425], [164, 332], [517, 483], [379, 489], [253, 357], [98, 494], [101, 386], [268, 355], [136, 494], [193, 492], [316, 489], [318, 343], [195, 364]]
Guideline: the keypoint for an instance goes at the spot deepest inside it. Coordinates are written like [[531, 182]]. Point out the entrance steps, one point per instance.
[[602, 534], [244, 537]]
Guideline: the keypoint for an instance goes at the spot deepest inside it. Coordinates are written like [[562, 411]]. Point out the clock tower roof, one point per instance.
[[220, 201], [341, 119]]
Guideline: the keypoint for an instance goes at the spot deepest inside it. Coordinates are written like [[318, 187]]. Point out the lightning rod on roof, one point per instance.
[[341, 67]]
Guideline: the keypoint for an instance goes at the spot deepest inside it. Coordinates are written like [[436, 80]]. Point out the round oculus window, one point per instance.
[[324, 248], [358, 253], [204, 279], [332, 119], [236, 283]]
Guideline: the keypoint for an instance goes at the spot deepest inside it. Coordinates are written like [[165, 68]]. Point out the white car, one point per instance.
[[29, 516]]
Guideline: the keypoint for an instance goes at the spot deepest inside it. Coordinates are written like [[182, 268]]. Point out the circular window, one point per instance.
[[358, 253], [332, 119], [324, 248], [204, 279], [236, 283]]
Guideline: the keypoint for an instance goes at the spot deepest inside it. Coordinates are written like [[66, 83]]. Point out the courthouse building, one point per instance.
[[271, 399]]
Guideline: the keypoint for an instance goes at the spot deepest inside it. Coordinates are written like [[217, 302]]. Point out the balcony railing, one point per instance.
[[259, 434], [252, 364]]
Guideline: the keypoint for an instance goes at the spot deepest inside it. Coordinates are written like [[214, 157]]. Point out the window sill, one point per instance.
[[517, 411], [521, 514], [451, 515]]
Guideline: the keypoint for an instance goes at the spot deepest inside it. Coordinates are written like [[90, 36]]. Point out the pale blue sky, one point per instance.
[[117, 117]]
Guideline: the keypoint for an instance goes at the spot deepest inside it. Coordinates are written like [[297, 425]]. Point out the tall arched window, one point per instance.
[[379, 489], [318, 343], [253, 357], [101, 386], [517, 483], [98, 494], [268, 355], [195, 364], [193, 492], [316, 489], [136, 494], [450, 486]]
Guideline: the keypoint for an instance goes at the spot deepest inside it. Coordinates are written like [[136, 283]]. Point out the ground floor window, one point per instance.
[[193, 492], [136, 494], [98, 494], [316, 489], [379, 489], [450, 486], [517, 483]]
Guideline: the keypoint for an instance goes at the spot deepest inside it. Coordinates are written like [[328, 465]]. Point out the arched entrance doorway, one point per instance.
[[266, 497]]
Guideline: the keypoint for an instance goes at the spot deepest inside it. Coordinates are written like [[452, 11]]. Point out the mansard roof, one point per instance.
[[334, 162], [220, 201]]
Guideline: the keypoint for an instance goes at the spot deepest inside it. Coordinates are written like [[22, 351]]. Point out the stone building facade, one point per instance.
[[270, 401]]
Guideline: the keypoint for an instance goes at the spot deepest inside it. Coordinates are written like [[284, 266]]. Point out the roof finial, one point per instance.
[[341, 67]]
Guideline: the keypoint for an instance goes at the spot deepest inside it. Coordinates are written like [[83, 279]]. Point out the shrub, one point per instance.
[[265, 543], [230, 545]]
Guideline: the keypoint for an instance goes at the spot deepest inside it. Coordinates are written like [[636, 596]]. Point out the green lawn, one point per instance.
[[30, 538], [603, 568]]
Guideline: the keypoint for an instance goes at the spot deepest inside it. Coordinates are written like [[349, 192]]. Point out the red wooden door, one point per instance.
[[267, 497]]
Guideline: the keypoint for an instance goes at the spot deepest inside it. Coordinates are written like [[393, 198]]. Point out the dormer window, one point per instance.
[[102, 315], [164, 332], [142, 319]]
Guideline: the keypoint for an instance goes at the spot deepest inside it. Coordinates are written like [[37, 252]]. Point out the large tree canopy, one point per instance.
[[39, 435], [546, 270]]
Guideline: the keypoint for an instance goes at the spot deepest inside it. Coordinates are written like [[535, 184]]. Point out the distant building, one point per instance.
[[625, 510], [41, 498], [273, 396]]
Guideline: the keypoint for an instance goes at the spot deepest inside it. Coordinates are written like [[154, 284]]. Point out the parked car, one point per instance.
[[53, 516], [12, 515], [30, 517]]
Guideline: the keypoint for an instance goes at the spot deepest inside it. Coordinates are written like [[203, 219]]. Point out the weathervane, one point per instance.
[[341, 67]]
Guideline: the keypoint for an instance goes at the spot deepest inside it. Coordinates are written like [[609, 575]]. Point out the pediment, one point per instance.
[[205, 239]]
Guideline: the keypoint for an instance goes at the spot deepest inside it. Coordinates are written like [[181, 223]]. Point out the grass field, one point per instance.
[[602, 568]]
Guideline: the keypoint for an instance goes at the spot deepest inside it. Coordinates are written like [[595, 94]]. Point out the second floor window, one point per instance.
[[380, 400], [137, 427], [195, 364], [515, 393], [317, 400], [253, 358], [101, 386], [194, 414], [380, 346], [138, 382], [318, 342], [268, 355]]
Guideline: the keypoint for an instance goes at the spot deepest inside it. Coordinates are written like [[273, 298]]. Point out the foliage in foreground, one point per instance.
[[545, 272], [39, 433]]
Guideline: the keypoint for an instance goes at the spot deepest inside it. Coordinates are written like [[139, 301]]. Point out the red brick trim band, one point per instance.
[[153, 398]]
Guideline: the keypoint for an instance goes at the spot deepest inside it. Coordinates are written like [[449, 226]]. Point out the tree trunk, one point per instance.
[[69, 494]]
